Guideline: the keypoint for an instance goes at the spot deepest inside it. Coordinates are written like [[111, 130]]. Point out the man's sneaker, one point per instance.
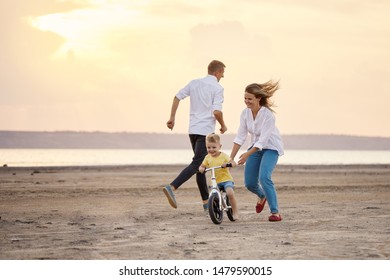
[[170, 195], [206, 209]]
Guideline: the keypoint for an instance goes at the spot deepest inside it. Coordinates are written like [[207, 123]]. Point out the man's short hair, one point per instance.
[[215, 66]]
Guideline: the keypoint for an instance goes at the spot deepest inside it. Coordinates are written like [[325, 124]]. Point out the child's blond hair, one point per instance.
[[213, 138]]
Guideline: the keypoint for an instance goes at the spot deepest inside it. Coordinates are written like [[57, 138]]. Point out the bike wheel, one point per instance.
[[216, 214], [229, 212]]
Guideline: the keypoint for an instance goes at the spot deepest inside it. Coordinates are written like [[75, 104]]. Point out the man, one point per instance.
[[206, 98]]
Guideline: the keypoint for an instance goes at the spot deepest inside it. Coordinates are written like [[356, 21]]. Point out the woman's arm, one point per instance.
[[235, 149]]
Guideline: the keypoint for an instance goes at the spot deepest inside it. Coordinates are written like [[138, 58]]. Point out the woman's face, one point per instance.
[[251, 101]]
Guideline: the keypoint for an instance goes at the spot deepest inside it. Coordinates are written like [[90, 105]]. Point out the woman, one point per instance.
[[266, 146]]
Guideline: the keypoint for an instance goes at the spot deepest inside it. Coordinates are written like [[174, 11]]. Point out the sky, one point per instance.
[[115, 66]]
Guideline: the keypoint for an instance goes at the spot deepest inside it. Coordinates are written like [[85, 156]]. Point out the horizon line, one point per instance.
[[178, 133]]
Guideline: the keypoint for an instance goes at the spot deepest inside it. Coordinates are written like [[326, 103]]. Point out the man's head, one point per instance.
[[217, 69]]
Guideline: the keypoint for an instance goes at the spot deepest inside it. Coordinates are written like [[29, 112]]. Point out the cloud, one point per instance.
[[133, 56], [175, 9], [229, 41]]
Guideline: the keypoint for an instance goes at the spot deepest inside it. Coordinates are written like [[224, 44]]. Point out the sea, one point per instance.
[[107, 157]]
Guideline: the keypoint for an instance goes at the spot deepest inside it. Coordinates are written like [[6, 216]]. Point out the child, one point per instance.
[[223, 177]]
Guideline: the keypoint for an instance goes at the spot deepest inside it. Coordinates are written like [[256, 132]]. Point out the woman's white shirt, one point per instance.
[[263, 131]]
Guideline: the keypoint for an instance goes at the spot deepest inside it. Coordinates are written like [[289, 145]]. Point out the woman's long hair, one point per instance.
[[264, 92]]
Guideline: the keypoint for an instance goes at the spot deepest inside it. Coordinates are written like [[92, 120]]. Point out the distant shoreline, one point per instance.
[[106, 140], [280, 167]]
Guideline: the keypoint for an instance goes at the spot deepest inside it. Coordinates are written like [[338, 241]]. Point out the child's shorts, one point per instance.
[[225, 185]]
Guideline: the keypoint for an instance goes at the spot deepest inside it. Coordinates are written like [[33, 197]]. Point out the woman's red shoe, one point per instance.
[[275, 218], [260, 206]]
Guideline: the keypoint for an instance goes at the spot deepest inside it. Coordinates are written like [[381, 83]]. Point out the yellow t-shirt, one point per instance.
[[222, 174]]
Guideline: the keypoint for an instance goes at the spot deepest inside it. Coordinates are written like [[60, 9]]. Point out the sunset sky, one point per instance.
[[114, 66]]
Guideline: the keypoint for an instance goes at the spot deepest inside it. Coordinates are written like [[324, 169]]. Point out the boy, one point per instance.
[[223, 177]]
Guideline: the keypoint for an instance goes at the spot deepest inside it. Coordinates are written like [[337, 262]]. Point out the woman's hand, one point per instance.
[[243, 158]]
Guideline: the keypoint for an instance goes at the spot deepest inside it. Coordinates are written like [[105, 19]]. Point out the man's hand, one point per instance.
[[223, 129], [171, 123], [219, 117]]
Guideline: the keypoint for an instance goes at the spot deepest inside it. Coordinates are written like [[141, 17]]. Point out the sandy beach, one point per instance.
[[120, 212]]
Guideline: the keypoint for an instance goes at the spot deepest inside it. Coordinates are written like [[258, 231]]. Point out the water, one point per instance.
[[88, 157]]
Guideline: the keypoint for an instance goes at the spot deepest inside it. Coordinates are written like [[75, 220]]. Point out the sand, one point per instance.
[[120, 212]]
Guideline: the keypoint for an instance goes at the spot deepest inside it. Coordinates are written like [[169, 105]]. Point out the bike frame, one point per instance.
[[215, 188]]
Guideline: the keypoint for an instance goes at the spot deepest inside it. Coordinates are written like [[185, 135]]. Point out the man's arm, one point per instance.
[[175, 105], [219, 117]]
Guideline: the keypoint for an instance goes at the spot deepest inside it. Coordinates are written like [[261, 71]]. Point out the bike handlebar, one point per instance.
[[217, 167]]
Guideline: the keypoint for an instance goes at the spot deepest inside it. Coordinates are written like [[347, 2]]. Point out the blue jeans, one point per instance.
[[258, 171]]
